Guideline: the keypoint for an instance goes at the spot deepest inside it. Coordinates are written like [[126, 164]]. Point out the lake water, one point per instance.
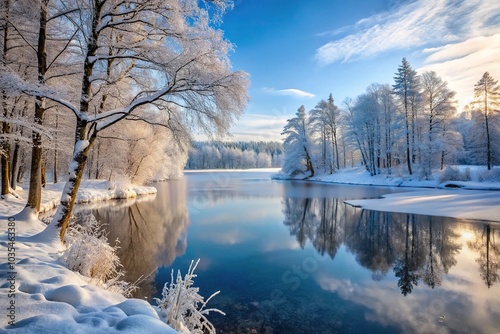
[[291, 257]]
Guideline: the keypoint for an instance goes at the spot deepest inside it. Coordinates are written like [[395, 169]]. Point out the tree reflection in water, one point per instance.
[[150, 233], [416, 248], [488, 248]]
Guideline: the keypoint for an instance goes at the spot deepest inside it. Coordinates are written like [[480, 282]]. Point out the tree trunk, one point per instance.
[[15, 166], [44, 173], [35, 183], [75, 173], [82, 142], [76, 170], [4, 145], [17, 152], [54, 168], [488, 140], [54, 172]]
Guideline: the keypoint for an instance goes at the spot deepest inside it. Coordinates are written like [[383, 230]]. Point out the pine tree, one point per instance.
[[406, 88], [487, 94]]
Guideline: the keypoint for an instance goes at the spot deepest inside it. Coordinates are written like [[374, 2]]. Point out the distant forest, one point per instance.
[[231, 155]]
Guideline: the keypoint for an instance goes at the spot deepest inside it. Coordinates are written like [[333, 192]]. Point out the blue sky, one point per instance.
[[298, 51]]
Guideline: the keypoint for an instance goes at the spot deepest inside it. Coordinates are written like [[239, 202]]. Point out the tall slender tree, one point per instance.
[[406, 89], [5, 128], [487, 94]]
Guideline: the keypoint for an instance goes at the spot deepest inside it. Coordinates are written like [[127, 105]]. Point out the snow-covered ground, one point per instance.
[[40, 295], [457, 203], [91, 191], [459, 199]]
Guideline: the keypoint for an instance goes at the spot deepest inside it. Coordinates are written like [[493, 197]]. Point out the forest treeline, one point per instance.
[[230, 155], [411, 127]]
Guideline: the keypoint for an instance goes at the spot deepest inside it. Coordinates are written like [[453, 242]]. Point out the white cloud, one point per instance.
[[288, 92], [414, 24], [259, 127], [256, 127], [462, 64]]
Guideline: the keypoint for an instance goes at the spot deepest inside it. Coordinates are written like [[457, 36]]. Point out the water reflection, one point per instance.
[[387, 273], [488, 248], [151, 234], [415, 248]]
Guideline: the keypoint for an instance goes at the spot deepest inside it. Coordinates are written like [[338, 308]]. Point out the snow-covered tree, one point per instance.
[[297, 145], [175, 62], [487, 94], [365, 128], [438, 109], [406, 88]]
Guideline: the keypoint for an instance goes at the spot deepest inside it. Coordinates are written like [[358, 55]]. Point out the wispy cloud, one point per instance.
[[462, 64], [259, 127], [414, 24], [288, 92]]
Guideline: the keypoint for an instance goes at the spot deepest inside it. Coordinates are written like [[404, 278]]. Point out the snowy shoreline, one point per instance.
[[39, 294], [457, 199], [91, 191]]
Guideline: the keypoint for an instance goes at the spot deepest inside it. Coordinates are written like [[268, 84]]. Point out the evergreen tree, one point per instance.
[[487, 94], [406, 88]]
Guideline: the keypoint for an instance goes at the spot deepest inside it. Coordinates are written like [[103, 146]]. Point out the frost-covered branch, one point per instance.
[[183, 307]]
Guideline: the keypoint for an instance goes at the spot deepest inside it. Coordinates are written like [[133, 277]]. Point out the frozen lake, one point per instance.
[[291, 257]]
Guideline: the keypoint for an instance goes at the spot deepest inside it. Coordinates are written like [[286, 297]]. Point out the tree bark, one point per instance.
[[5, 145], [35, 183], [82, 142]]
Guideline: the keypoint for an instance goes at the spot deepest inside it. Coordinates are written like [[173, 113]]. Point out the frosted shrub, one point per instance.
[[182, 306], [454, 174], [492, 175], [90, 254]]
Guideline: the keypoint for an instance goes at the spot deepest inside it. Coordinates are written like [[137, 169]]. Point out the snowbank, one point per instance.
[[38, 294], [457, 203], [360, 176], [91, 191]]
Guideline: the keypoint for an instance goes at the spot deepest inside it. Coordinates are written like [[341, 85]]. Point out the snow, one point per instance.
[[457, 199], [80, 146], [90, 191], [457, 203], [49, 298]]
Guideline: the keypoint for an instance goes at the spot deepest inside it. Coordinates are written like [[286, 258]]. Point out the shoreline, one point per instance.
[[90, 192]]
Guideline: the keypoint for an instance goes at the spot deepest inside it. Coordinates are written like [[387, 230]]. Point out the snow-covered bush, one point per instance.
[[455, 174], [492, 175], [89, 253], [183, 307]]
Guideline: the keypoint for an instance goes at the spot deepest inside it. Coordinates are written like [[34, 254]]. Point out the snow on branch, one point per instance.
[[12, 83]]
